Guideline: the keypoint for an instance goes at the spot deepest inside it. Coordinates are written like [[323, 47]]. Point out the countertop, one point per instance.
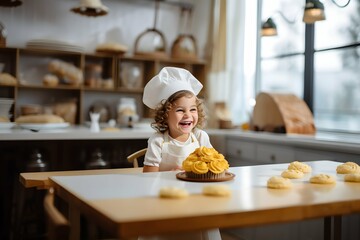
[[74, 133], [323, 139]]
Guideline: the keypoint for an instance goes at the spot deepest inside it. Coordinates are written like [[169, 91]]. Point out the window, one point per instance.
[[282, 65], [334, 95], [337, 69]]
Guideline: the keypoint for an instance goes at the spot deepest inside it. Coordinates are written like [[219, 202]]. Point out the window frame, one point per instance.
[[309, 64]]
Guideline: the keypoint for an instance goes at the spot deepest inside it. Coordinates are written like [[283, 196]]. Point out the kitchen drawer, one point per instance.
[[314, 155], [240, 149], [236, 162], [274, 154]]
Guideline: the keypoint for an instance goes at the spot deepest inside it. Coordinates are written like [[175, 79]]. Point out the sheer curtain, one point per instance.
[[233, 60]]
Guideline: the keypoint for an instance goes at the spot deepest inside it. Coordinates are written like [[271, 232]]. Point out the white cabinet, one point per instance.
[[270, 153], [241, 153], [303, 154]]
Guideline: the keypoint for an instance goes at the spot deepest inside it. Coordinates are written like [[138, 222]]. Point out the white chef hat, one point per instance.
[[169, 81]]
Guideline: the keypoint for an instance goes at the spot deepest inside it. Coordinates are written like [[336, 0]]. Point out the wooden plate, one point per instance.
[[182, 176]]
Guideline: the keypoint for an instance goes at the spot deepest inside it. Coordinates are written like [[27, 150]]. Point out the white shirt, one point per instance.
[[155, 142]]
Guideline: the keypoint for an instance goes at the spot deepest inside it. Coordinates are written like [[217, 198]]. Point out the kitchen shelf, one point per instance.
[[127, 76], [59, 87]]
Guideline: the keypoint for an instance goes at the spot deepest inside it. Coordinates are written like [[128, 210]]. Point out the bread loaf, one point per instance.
[[67, 72], [7, 79], [40, 118], [50, 80]]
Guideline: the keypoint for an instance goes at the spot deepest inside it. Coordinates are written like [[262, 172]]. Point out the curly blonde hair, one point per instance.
[[161, 113]]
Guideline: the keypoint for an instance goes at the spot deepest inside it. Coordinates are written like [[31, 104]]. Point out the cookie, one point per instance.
[[348, 167], [292, 174], [322, 179], [352, 177], [216, 190], [296, 165], [173, 192], [279, 182]]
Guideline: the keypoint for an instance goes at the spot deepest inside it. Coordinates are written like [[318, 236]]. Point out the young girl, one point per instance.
[[178, 116]]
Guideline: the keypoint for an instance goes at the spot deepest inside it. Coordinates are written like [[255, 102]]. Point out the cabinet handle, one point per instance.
[[273, 158], [238, 152]]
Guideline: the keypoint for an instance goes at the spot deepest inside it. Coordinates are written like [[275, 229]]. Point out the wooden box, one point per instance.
[[282, 113]]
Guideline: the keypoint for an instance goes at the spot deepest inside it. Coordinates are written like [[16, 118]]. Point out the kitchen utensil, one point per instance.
[[94, 127], [127, 114], [103, 109], [152, 42], [131, 75]]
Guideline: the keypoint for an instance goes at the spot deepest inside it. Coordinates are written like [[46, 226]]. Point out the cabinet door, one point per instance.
[[314, 155], [274, 154], [240, 151]]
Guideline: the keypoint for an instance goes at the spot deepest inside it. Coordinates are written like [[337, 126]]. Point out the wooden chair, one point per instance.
[[132, 158], [58, 226]]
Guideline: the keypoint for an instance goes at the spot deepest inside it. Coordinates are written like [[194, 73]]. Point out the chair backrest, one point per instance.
[[133, 157], [58, 226]]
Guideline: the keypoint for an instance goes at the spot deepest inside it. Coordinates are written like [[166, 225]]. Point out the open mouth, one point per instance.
[[186, 123]]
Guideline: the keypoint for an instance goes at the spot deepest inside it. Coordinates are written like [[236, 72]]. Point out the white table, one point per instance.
[[122, 204]]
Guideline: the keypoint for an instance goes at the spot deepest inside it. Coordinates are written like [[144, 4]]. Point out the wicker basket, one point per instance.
[[156, 52], [181, 47]]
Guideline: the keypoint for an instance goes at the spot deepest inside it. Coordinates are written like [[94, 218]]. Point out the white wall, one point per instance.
[[52, 19]]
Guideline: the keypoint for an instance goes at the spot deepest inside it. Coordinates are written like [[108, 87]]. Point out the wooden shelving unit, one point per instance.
[[29, 66]]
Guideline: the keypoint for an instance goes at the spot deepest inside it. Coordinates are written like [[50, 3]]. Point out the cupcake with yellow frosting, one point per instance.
[[205, 163]]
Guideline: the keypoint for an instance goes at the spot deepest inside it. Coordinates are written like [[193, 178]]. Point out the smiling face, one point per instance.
[[183, 117]]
